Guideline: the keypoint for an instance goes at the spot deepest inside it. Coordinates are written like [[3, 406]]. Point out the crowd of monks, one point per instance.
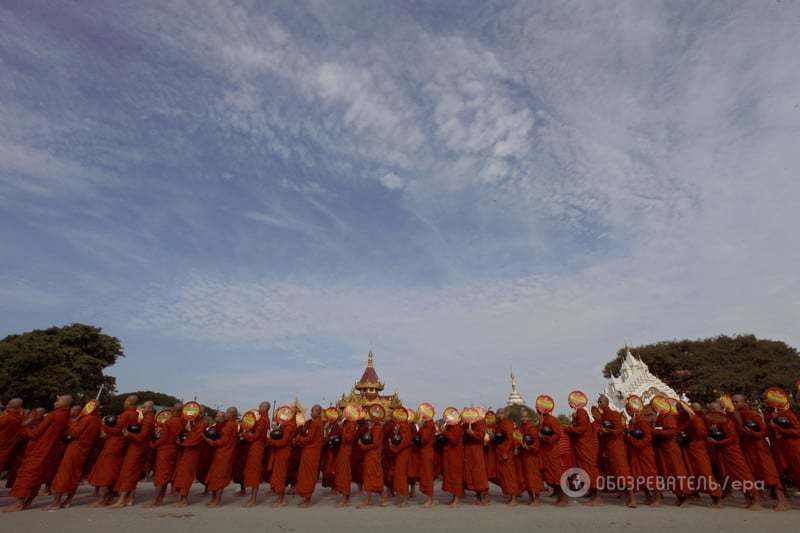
[[663, 445]]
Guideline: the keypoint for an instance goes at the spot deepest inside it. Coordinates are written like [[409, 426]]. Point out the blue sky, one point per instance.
[[252, 196]]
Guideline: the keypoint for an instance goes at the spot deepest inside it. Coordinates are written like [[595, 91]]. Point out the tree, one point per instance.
[[40, 364], [705, 368], [113, 405]]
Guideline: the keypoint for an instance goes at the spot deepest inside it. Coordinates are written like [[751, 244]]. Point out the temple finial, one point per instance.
[[369, 359]]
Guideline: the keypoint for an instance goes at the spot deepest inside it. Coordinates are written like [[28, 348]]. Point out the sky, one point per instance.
[[253, 195]]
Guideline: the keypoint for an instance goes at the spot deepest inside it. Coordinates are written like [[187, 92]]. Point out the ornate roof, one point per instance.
[[635, 378], [369, 379]]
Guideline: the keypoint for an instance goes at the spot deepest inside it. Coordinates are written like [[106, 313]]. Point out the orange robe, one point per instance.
[[279, 458], [85, 434], [308, 472], [584, 444], [642, 456], [39, 453], [530, 462], [387, 457], [402, 455], [135, 455], [191, 448], [254, 461], [372, 470], [106, 468], [504, 453], [698, 461], [328, 461], [549, 453], [729, 453], [453, 460], [475, 477], [756, 450], [788, 441], [669, 452], [612, 443], [166, 447], [425, 466], [220, 471], [10, 434], [342, 471]]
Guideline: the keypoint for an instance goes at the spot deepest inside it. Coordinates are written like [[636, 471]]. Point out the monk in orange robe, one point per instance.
[[641, 455], [83, 436], [584, 444], [220, 471], [191, 443], [60, 449], [788, 440], [669, 452], [427, 433], [166, 450], [138, 438], [342, 468], [387, 457], [550, 455], [33, 419], [38, 453], [256, 440], [504, 453], [106, 468], [752, 439], [280, 443], [612, 442], [725, 441], [402, 454], [453, 462], [475, 477], [308, 471], [698, 461], [372, 470], [328, 462], [413, 462], [10, 431], [529, 459]]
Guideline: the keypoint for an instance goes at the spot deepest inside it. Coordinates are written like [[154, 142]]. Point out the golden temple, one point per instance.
[[367, 390]]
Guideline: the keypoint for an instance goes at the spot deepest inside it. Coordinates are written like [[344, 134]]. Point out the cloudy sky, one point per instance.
[[252, 197]]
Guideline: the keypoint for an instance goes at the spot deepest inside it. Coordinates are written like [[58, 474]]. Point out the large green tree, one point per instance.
[[40, 364], [705, 368]]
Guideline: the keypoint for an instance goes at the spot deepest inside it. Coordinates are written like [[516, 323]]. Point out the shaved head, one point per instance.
[[264, 406], [231, 413], [131, 400], [316, 411], [602, 401], [147, 406], [15, 403], [63, 401], [177, 408]]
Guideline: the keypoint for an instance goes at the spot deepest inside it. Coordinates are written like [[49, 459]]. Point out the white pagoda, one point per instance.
[[635, 378], [514, 398]]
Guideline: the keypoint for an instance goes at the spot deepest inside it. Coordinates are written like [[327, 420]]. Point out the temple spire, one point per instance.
[[370, 358]]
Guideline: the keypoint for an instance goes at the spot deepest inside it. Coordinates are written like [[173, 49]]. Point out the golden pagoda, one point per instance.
[[367, 390]]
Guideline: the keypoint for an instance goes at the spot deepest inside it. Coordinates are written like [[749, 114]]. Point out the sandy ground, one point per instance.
[[324, 516]]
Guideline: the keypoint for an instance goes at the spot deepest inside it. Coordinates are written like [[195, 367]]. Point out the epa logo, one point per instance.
[[575, 482]]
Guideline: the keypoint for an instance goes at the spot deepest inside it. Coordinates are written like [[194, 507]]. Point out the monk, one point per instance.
[[60, 449], [756, 449], [83, 436], [281, 448], [387, 457], [453, 463], [38, 453], [584, 444], [641, 455], [550, 455], [427, 433], [308, 471], [612, 442], [166, 448], [372, 471], [667, 449], [530, 463], [788, 440], [729, 453], [328, 462], [475, 477], [10, 431], [402, 455], [33, 419], [220, 471], [256, 440], [698, 461], [341, 469], [106, 468], [191, 443], [504, 452], [135, 455]]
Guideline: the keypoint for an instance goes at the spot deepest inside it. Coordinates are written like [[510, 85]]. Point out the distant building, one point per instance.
[[635, 378], [367, 390], [514, 398]]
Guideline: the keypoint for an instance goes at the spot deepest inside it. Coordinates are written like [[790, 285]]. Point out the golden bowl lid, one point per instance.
[[377, 412], [412, 415], [776, 398], [283, 414], [727, 403], [90, 407], [426, 411], [544, 404], [451, 416], [191, 410], [331, 414], [577, 399], [470, 415], [490, 418], [634, 404], [299, 418], [162, 417], [352, 412], [400, 414], [249, 419], [517, 436], [661, 404]]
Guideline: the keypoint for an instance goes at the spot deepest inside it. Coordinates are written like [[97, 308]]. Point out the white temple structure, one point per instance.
[[635, 378], [514, 398]]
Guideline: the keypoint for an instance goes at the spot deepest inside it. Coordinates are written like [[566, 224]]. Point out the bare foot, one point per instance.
[[249, 503], [533, 503], [305, 503], [14, 508], [783, 506], [342, 504], [212, 503], [427, 503], [279, 504], [181, 504]]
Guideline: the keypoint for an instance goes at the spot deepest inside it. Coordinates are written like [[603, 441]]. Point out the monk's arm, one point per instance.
[[38, 431], [143, 435]]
